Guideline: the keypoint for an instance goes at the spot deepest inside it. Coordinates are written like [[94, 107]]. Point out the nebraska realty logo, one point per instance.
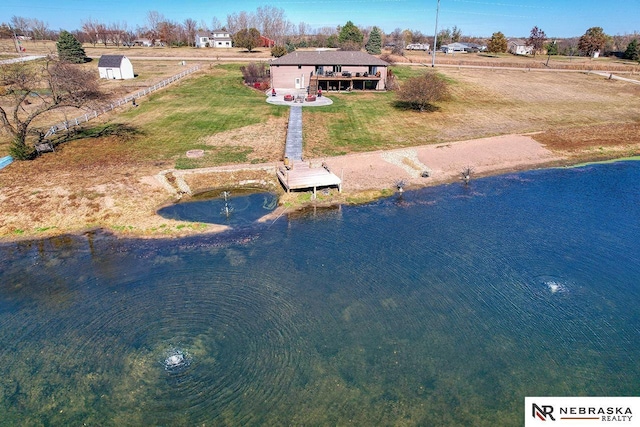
[[581, 411]]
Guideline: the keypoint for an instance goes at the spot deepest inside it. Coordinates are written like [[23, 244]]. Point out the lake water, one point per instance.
[[446, 306]]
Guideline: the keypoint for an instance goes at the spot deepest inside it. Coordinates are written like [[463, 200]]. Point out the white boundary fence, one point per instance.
[[114, 104]]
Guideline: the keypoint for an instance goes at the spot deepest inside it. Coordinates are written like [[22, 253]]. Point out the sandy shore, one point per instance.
[[383, 169], [37, 202]]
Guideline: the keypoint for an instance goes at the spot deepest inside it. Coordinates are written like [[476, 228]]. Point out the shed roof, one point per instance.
[[111, 61], [326, 57]]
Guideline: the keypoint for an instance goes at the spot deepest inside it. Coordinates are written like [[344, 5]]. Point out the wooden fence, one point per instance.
[[68, 124]]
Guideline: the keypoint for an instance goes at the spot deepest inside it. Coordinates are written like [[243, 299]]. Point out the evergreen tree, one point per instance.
[[350, 36], [374, 44], [633, 51], [498, 43], [70, 49]]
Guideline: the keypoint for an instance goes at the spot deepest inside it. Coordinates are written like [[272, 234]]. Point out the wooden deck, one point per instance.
[[301, 176]]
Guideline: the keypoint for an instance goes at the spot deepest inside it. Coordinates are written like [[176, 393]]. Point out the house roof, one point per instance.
[[457, 45], [112, 61], [327, 57], [518, 42]]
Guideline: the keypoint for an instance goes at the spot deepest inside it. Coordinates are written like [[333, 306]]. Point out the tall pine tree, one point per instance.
[[374, 44], [70, 49], [350, 37], [633, 51]]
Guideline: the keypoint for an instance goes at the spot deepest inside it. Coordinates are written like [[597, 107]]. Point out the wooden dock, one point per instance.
[[301, 176]]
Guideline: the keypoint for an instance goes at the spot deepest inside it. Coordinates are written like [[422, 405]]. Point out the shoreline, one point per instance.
[[367, 177]]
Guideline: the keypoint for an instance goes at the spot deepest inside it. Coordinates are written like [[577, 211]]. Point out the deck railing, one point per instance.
[[68, 124]]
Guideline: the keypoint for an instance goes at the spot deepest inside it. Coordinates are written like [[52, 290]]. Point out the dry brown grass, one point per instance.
[[508, 60], [265, 139], [49, 47], [490, 102]]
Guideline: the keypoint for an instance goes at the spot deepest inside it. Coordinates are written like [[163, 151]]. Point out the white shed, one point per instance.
[[115, 67]]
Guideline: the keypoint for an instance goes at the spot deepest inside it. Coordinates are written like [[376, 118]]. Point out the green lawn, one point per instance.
[[484, 102], [175, 119]]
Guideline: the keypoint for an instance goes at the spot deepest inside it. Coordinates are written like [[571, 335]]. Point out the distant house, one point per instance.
[[462, 47], [266, 42], [417, 46], [115, 67], [217, 39], [455, 48], [519, 47], [329, 70], [143, 42]]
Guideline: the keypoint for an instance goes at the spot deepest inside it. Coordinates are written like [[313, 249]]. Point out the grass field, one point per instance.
[[192, 113], [484, 103]]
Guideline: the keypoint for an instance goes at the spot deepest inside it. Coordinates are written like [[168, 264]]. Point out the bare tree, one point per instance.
[[24, 100], [190, 28], [396, 40], [216, 24], [129, 38], [117, 30], [240, 21], [273, 23], [39, 29], [102, 33], [154, 18], [90, 28], [20, 25]]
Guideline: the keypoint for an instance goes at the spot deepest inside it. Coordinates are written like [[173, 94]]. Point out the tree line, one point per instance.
[[271, 22]]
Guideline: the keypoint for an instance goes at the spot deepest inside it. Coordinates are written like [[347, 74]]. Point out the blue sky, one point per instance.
[[514, 18]]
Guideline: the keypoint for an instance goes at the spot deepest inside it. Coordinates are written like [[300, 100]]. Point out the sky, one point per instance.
[[514, 18]]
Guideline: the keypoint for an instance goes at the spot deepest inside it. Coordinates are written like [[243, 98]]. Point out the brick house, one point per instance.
[[329, 70]]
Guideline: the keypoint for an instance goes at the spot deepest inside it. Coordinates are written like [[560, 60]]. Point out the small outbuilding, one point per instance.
[[115, 67]]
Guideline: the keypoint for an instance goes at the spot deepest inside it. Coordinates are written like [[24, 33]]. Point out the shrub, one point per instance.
[[20, 151], [419, 93], [278, 51], [254, 73]]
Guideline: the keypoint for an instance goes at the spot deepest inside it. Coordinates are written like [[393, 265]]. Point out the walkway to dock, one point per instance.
[[297, 174], [293, 147]]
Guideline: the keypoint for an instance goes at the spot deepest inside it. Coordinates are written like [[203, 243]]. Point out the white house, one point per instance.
[[218, 38], [115, 67], [454, 47], [519, 47], [417, 46]]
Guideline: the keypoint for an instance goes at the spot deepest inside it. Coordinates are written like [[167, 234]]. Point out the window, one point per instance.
[[337, 68], [299, 67]]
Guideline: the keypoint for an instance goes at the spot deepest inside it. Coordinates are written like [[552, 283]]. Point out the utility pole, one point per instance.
[[435, 37]]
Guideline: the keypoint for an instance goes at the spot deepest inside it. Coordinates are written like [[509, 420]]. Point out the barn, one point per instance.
[[115, 67]]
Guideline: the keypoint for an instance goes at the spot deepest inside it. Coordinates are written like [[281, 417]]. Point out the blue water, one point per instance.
[[446, 306], [239, 208]]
